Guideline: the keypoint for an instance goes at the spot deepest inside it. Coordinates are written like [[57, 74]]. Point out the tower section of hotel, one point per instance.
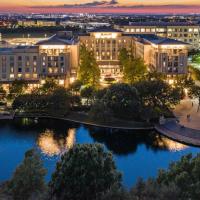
[[164, 55], [106, 44]]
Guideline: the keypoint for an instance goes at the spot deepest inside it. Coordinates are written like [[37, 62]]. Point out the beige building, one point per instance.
[[164, 55], [181, 31], [55, 57]]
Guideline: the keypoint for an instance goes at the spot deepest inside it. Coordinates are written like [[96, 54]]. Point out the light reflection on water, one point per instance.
[[50, 146]]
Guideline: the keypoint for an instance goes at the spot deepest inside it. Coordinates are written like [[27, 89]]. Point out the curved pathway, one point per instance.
[[179, 133]]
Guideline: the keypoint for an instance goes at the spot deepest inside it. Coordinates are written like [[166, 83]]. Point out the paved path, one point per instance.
[[188, 106], [179, 133]]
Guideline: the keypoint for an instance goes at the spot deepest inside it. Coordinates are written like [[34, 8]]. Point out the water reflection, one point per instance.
[[124, 143], [170, 144], [52, 145]]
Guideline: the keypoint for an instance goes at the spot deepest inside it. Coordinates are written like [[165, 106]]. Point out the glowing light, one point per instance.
[[47, 144], [61, 82], [53, 146], [170, 144], [71, 138]]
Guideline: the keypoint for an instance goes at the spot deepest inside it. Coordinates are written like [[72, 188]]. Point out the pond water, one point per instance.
[[136, 153]]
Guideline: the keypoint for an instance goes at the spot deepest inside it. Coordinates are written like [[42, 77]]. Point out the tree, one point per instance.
[[28, 178], [49, 86], [122, 100], [194, 92], [89, 72], [57, 102], [2, 93], [185, 175], [123, 57], [88, 93], [75, 87], [157, 96], [151, 190], [85, 172], [18, 87], [100, 112], [134, 69]]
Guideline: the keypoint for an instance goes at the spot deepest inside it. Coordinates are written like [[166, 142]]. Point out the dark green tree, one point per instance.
[[100, 112], [89, 72], [88, 93], [185, 175], [158, 97], [122, 100], [85, 172], [28, 179]]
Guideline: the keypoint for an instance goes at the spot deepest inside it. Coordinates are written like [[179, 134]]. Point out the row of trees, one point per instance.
[[98, 178]]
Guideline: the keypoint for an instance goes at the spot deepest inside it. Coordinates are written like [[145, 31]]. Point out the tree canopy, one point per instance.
[[84, 172], [28, 179]]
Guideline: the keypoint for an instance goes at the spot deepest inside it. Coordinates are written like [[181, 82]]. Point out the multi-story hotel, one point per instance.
[[58, 56], [181, 31], [55, 57]]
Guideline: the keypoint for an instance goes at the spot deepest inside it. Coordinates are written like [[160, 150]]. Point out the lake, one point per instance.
[[136, 153]]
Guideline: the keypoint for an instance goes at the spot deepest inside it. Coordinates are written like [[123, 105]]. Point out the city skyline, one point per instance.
[[102, 6]]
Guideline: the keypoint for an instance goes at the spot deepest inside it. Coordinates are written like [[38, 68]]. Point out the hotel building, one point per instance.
[[181, 31], [58, 56], [55, 57]]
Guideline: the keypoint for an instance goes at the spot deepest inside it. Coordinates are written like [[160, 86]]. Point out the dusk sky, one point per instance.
[[104, 6]]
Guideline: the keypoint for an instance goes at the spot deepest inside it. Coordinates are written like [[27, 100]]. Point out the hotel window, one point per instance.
[[12, 70], [27, 70], [3, 69], [142, 30], [190, 29], [19, 69], [137, 30]]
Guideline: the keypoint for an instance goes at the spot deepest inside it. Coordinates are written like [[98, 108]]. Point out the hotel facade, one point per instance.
[[58, 56]]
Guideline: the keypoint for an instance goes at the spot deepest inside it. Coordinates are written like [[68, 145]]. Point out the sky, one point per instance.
[[102, 6]]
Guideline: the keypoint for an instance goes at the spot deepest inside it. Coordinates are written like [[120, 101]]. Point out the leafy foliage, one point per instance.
[[123, 100], [28, 178], [89, 72], [84, 172]]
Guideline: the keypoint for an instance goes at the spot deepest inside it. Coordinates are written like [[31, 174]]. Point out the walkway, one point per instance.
[[188, 106], [179, 133]]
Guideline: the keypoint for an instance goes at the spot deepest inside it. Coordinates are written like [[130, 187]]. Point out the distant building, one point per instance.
[[181, 31], [37, 23]]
